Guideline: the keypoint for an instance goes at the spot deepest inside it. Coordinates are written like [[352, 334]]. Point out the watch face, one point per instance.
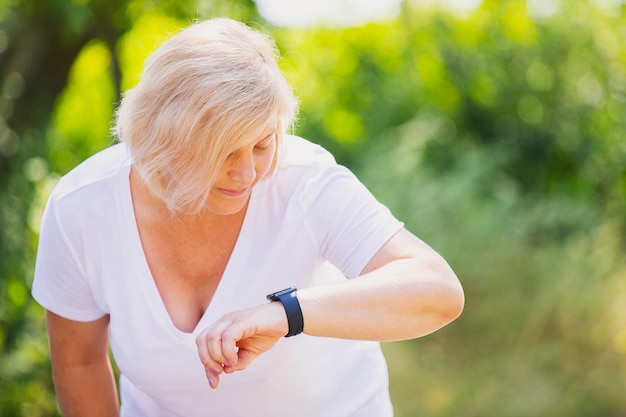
[[277, 294]]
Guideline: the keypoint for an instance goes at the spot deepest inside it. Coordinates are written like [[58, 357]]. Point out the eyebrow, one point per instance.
[[268, 136]]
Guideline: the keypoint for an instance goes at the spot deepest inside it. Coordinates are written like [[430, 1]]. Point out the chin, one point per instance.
[[225, 209]]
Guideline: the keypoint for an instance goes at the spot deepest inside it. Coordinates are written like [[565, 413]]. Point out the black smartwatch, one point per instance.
[[289, 299]]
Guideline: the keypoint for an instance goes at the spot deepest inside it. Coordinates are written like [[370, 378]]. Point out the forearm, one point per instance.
[[81, 368], [403, 299], [405, 291], [86, 390]]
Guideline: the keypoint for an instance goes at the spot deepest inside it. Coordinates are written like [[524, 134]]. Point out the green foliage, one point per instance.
[[89, 96], [542, 331], [147, 33], [548, 99], [496, 135]]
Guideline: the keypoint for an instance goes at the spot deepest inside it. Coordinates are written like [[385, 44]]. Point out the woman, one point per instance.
[[165, 246]]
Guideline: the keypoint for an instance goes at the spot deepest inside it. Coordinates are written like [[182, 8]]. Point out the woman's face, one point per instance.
[[241, 171]]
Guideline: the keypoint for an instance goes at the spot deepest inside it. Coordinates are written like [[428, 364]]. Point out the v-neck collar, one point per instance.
[[228, 284]]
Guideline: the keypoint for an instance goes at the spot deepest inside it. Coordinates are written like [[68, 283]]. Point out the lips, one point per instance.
[[233, 192]]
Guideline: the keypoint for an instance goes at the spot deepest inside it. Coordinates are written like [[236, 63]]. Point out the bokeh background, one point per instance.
[[495, 130]]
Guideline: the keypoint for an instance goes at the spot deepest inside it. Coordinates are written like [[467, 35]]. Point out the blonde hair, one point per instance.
[[204, 93]]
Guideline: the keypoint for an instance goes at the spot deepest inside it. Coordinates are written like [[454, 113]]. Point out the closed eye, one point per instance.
[[266, 143]]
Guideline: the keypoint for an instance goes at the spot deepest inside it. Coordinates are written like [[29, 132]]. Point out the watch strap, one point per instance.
[[289, 299]]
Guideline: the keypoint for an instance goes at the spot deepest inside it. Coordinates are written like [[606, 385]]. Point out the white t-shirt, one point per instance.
[[308, 217]]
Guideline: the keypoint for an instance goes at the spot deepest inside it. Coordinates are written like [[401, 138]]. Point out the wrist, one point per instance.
[[289, 300]]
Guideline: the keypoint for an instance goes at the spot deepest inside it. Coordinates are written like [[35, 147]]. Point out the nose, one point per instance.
[[242, 167]]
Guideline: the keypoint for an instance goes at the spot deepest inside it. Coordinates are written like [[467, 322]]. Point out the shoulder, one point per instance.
[[305, 170], [92, 189], [299, 152], [94, 173], [302, 166], [305, 161]]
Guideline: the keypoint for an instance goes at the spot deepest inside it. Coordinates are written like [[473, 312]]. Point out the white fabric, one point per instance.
[[309, 214]]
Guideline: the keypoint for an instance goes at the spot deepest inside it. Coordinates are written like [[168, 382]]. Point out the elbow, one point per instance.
[[445, 303], [450, 300], [444, 307], [455, 302]]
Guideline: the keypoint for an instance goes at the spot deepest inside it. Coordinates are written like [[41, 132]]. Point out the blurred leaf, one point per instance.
[[146, 35], [83, 113]]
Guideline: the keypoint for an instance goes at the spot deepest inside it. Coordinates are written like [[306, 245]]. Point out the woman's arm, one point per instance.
[[406, 291], [81, 369]]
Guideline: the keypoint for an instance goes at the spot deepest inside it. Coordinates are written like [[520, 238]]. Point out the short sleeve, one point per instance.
[[347, 222], [60, 284]]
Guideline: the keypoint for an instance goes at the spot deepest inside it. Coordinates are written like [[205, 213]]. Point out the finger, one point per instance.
[[205, 356], [213, 378], [245, 358], [214, 337], [233, 331], [229, 348], [212, 368]]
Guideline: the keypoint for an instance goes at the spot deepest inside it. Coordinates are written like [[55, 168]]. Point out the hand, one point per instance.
[[236, 339]]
